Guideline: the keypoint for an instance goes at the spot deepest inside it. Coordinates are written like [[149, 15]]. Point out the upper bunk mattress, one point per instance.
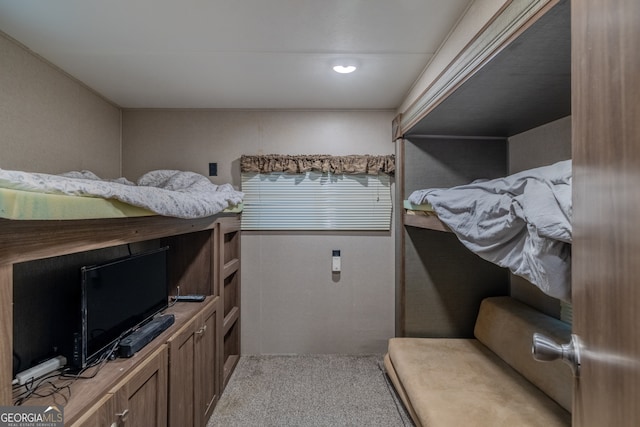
[[82, 195], [27, 205], [422, 209], [521, 222]]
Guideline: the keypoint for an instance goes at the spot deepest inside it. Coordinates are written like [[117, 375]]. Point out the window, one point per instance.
[[316, 201]]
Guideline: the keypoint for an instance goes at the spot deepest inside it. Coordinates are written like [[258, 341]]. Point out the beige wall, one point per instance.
[[291, 302], [51, 123], [541, 146]]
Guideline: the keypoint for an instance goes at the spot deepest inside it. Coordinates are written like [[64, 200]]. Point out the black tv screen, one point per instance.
[[118, 296]]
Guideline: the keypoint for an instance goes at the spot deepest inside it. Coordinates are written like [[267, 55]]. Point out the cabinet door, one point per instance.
[[181, 376], [146, 393], [104, 412], [139, 400], [206, 377]]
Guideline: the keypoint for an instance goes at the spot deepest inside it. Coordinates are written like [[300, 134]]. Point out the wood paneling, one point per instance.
[[230, 289], [6, 332], [182, 376], [606, 194], [29, 240], [207, 381], [191, 263]]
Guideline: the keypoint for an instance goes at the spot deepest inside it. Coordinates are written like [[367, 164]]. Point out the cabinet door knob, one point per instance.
[[201, 330]]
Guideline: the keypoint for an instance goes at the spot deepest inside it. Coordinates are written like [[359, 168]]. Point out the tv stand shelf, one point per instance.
[[205, 259], [84, 393]]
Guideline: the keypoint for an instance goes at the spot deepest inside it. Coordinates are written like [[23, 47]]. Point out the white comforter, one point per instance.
[[522, 222], [165, 192]]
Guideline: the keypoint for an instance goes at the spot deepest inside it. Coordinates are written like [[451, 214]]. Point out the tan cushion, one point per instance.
[[391, 372], [506, 326], [459, 382]]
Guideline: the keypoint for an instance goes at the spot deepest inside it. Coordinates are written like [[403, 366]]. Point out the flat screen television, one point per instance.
[[117, 296]]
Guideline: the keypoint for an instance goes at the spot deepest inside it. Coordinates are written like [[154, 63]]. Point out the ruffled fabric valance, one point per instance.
[[352, 164]]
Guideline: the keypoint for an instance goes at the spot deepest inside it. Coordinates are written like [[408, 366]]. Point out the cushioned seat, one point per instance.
[[462, 382]]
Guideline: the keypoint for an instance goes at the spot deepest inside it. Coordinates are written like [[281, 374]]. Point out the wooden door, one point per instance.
[[606, 195], [104, 412], [181, 376], [146, 391], [206, 377]]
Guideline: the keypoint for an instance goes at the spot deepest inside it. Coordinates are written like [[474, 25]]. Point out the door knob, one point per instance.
[[544, 349]]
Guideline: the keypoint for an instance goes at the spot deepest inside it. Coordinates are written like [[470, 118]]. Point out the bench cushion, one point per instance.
[[506, 326], [457, 382]]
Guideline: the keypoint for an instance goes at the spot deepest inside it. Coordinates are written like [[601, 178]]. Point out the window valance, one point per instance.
[[299, 164]]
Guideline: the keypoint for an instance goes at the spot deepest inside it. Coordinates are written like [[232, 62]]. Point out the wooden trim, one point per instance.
[[430, 222], [30, 240], [6, 332], [229, 366], [230, 268], [230, 319], [396, 132], [400, 241]]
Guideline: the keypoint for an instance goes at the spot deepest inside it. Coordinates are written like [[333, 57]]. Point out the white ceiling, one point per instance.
[[237, 53]]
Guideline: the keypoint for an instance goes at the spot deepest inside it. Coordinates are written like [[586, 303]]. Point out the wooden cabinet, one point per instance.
[[177, 378], [138, 400], [103, 413], [207, 381], [193, 369]]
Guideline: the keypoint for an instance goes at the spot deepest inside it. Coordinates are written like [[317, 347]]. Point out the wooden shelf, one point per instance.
[[230, 290], [85, 393], [30, 240], [230, 267], [230, 319], [430, 222]]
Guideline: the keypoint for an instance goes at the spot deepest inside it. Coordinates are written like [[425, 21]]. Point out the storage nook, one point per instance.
[[176, 379]]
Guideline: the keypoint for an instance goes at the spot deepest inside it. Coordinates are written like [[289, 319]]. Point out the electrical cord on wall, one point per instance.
[[175, 299]]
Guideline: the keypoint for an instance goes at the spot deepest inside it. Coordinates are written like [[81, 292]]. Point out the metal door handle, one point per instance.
[[123, 416], [545, 349]]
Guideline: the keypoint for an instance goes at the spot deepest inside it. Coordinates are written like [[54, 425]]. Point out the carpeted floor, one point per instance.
[[309, 390]]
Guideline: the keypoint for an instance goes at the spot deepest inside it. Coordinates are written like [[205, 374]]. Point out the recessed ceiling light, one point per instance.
[[344, 69]]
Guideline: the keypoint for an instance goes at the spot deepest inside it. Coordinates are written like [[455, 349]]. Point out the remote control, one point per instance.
[[189, 298]]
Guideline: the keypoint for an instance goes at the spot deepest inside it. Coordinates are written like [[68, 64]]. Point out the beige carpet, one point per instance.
[[309, 390]]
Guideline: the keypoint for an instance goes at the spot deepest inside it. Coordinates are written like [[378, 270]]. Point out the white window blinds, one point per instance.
[[316, 201]]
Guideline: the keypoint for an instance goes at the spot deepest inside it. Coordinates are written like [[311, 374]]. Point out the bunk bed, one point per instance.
[[514, 76], [452, 142]]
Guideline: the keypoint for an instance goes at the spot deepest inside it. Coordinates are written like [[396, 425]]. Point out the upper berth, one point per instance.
[[513, 77], [82, 195]]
